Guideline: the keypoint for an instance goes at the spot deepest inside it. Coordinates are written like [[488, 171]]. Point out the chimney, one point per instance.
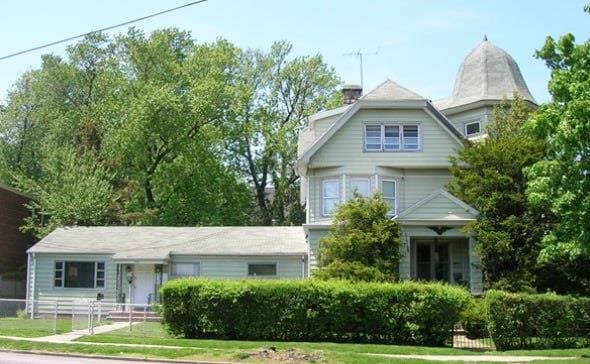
[[351, 93]]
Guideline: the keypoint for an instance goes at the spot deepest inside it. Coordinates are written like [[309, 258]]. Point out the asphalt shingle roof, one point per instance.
[[150, 242]]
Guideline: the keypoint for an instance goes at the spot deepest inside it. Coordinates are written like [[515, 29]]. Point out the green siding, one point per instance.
[[345, 148], [439, 207], [483, 114], [313, 238]]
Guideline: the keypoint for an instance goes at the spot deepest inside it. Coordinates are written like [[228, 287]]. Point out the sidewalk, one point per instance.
[[475, 358]]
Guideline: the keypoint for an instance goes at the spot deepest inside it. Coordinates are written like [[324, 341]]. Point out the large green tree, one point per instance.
[[563, 177], [276, 93], [363, 243], [488, 174]]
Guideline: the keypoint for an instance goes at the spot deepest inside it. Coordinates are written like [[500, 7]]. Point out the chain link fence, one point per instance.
[[39, 318]]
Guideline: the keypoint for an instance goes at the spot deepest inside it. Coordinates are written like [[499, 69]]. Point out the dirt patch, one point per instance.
[[272, 354]]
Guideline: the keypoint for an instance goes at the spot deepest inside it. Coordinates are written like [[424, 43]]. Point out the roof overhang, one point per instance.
[[433, 222], [480, 103]]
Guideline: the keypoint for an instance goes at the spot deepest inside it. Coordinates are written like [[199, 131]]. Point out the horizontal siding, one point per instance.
[[314, 237], [439, 208], [346, 145], [412, 185], [237, 267], [483, 114]]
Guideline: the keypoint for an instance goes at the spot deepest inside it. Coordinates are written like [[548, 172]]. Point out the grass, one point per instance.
[[32, 328], [155, 334]]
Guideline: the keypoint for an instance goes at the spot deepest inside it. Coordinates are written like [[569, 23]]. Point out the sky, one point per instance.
[[419, 44]]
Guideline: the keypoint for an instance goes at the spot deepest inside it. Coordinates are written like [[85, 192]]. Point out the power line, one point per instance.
[[102, 30]]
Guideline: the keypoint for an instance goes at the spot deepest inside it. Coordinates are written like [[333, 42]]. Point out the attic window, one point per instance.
[[472, 128], [392, 137]]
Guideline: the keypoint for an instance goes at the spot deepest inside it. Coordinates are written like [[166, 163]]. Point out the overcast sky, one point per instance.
[[419, 44]]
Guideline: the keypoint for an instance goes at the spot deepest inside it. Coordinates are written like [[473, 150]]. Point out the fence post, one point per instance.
[[55, 304], [73, 303], [91, 317], [130, 317], [99, 312]]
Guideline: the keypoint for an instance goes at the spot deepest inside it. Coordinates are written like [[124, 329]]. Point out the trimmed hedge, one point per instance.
[[538, 321], [312, 310], [474, 319]]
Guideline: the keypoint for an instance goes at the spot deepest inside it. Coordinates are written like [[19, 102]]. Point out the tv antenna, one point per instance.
[[360, 54]]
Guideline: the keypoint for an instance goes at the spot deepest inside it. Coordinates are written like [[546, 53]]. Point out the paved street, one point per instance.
[[17, 358]]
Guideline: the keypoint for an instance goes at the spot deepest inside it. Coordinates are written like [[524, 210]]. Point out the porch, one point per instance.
[[444, 259]]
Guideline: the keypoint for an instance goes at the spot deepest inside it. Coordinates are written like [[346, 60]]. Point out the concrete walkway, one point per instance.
[[71, 336], [475, 358]]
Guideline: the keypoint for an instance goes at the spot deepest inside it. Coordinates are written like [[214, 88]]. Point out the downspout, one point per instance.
[[28, 282]]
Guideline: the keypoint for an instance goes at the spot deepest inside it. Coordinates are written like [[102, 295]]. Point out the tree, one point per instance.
[[74, 190], [276, 93], [488, 175], [562, 178], [363, 242]]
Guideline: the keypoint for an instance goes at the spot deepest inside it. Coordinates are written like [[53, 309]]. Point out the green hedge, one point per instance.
[[474, 319], [538, 321], [312, 310]]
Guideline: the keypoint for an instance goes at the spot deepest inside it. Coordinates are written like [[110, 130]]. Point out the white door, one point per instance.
[[144, 282]]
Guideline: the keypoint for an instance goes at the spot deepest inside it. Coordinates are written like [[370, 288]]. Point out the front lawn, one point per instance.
[[22, 327], [155, 334]]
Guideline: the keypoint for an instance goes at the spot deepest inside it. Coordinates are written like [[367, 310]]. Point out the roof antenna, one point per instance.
[[358, 53], [485, 38]]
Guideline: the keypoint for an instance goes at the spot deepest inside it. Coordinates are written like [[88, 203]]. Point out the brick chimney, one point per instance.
[[351, 93]]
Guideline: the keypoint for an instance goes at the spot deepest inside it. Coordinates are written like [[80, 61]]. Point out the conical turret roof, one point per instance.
[[487, 73]]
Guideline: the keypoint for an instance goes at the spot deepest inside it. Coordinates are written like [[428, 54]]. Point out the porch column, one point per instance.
[[404, 261], [475, 274]]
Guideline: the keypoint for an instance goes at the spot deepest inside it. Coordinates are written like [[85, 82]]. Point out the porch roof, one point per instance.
[[153, 243]]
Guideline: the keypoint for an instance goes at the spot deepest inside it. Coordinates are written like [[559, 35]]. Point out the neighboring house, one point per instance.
[[81, 262], [390, 140], [397, 142], [13, 242]]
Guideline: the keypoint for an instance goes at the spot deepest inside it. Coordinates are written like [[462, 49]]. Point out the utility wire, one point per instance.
[[101, 30]]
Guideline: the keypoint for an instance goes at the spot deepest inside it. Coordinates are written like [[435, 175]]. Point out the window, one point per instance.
[[388, 191], [361, 186], [410, 137], [186, 270], [472, 128], [373, 137], [262, 269], [79, 274], [330, 195], [392, 137]]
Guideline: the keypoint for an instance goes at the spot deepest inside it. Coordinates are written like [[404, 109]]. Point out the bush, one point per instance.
[[474, 319], [538, 321], [312, 310]]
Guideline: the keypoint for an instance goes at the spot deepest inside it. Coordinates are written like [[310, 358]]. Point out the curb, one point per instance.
[[144, 360]]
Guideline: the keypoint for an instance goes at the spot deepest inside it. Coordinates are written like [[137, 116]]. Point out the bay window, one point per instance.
[[362, 186], [388, 191], [330, 195]]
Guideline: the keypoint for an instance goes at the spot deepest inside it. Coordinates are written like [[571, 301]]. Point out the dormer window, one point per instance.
[[392, 137], [472, 128]]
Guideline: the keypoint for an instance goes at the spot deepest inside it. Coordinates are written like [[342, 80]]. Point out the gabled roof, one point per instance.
[[439, 207], [389, 90], [388, 95], [158, 242]]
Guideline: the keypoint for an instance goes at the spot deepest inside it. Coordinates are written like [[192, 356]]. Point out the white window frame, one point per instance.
[[276, 264], [196, 269], [360, 179], [339, 197], [471, 123], [394, 212], [63, 270], [401, 137]]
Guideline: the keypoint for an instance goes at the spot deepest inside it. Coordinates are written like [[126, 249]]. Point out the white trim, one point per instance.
[[400, 126], [63, 278], [432, 196], [322, 199], [395, 194], [467, 123], [196, 269]]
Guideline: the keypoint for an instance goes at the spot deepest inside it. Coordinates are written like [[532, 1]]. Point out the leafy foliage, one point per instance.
[[166, 119], [363, 242], [275, 95], [540, 321], [562, 178], [488, 175], [312, 310]]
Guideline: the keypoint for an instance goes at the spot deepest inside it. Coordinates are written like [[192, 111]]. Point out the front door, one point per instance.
[[143, 283], [431, 259]]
